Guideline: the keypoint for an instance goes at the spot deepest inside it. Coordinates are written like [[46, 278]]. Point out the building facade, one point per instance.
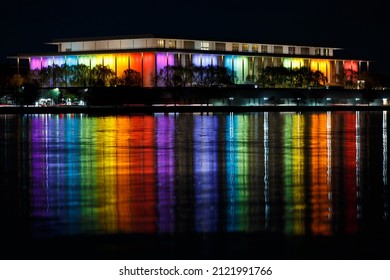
[[148, 55]]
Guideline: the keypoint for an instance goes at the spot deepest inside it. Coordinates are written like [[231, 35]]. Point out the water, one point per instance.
[[210, 185]]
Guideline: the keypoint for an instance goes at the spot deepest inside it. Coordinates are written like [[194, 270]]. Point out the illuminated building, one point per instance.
[[149, 54]]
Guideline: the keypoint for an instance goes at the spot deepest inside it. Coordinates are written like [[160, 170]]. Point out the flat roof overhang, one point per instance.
[[185, 51]]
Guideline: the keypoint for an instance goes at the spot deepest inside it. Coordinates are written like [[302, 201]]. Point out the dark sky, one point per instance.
[[361, 29]]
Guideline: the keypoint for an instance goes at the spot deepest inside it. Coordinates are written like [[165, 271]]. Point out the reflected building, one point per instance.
[[285, 173], [258, 180], [206, 173], [294, 171], [385, 167], [184, 170], [165, 163], [320, 201], [142, 172], [55, 182], [238, 166]]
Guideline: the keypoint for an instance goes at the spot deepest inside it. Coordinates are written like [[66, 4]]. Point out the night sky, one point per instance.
[[362, 30]]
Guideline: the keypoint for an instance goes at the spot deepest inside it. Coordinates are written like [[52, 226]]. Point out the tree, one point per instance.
[[166, 76], [45, 75], [350, 78], [224, 76], [201, 76], [102, 75], [274, 76], [59, 75], [208, 78], [16, 81], [188, 75], [277, 77], [79, 75], [132, 78], [302, 77], [319, 78]]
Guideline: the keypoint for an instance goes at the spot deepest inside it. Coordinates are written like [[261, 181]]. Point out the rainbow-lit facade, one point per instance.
[[149, 54]]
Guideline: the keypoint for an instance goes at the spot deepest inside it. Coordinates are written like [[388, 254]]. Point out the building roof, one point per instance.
[[165, 36], [62, 50]]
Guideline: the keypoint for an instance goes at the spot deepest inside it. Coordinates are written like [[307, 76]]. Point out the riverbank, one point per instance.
[[181, 109], [231, 99]]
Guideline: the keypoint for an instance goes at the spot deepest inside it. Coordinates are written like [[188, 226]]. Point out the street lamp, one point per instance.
[[56, 93]]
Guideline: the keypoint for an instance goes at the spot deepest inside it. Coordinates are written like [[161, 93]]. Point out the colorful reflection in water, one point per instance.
[[286, 173]]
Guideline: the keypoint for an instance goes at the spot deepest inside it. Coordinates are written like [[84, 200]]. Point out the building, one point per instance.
[[149, 54]]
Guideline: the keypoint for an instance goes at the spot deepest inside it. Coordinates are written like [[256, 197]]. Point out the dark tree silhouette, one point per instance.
[[102, 75], [132, 78]]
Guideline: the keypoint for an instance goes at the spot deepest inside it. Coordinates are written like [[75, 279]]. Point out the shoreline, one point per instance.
[[181, 109]]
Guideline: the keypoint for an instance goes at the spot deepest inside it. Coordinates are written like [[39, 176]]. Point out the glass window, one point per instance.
[[264, 49], [291, 50], [189, 45], [204, 46], [305, 51], [245, 47], [278, 49], [255, 48], [160, 43], [317, 51], [236, 47], [220, 46], [325, 52], [172, 44]]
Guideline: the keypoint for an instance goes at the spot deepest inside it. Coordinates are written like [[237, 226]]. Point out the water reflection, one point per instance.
[[317, 173], [165, 145], [384, 167]]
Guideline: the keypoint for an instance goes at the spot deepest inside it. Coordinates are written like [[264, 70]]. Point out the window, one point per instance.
[[245, 47], [325, 52], [204, 46], [236, 47], [255, 48], [278, 49], [317, 52], [305, 51], [160, 43], [189, 45], [291, 50], [264, 49], [172, 44], [220, 46]]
